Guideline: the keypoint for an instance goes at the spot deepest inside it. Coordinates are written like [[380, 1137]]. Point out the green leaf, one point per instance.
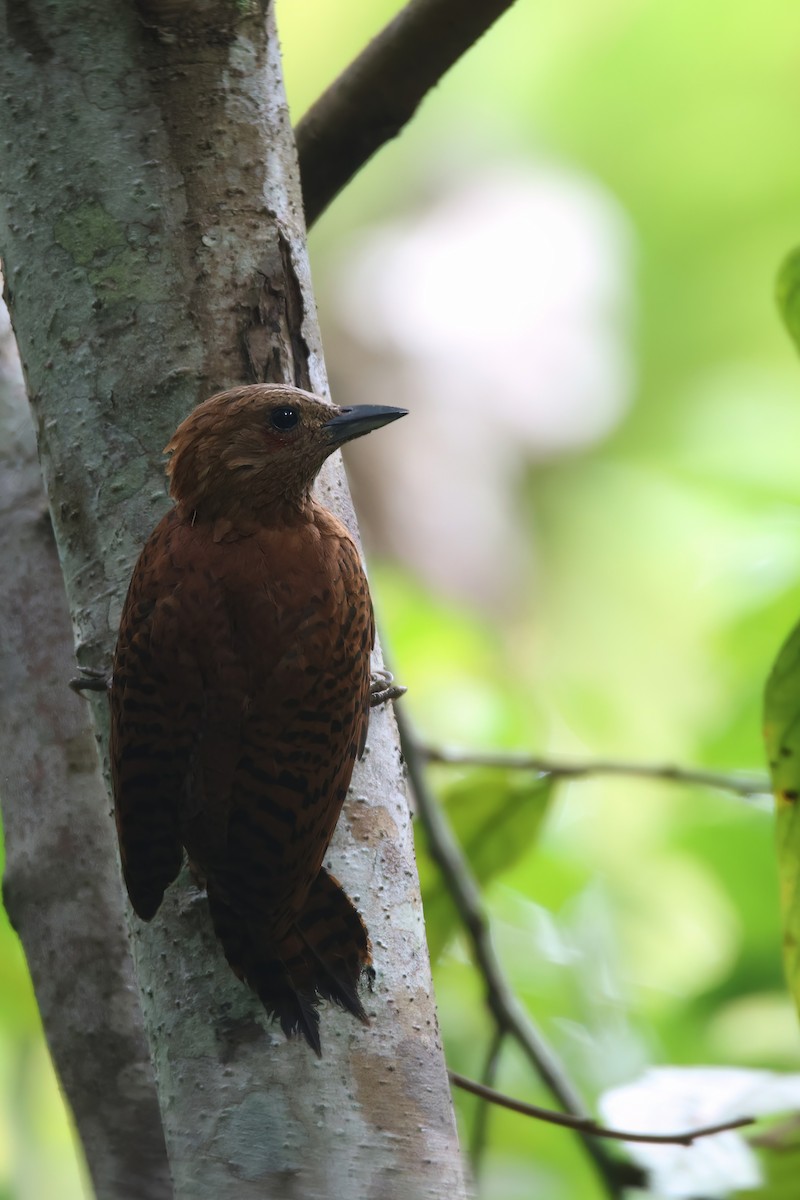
[[787, 293], [782, 737], [496, 814]]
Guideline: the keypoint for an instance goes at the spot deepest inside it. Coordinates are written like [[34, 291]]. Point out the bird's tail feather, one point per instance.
[[321, 957], [336, 943]]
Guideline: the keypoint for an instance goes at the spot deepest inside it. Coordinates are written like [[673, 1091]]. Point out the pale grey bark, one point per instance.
[[61, 881], [154, 251]]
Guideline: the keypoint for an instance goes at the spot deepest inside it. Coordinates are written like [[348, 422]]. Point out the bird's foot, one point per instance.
[[90, 680], [382, 688]]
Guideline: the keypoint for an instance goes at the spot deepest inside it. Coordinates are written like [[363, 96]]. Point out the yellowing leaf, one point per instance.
[[782, 737]]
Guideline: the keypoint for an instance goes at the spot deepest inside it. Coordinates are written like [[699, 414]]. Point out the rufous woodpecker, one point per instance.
[[240, 695]]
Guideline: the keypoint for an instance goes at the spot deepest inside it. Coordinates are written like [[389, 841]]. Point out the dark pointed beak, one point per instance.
[[354, 422]]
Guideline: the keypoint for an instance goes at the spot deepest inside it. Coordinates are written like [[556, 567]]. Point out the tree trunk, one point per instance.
[[154, 252], [61, 881]]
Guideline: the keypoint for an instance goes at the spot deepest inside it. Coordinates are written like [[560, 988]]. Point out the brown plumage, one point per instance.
[[240, 695]]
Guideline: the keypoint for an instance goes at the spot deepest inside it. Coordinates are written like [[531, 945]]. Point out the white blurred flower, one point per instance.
[[677, 1099], [499, 317]]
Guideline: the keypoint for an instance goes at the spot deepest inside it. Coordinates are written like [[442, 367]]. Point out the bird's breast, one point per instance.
[[276, 603]]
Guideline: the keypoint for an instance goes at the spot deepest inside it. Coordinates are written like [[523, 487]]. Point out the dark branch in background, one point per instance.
[[742, 785], [480, 1128], [509, 1015], [587, 1125], [381, 90]]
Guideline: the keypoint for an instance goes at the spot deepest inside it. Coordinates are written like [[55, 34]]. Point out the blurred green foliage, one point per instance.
[[496, 816], [638, 921], [641, 923], [39, 1158]]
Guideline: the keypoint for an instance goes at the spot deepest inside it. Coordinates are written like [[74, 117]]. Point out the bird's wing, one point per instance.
[[179, 698], [240, 691], [156, 704]]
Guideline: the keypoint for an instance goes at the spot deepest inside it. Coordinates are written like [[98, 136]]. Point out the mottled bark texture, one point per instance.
[[154, 252], [61, 882]]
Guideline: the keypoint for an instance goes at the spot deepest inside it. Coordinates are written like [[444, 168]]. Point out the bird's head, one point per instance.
[[257, 450]]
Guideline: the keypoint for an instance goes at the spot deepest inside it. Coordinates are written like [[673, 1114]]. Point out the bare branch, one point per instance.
[[509, 1015], [480, 1128], [381, 90], [749, 786], [585, 1125]]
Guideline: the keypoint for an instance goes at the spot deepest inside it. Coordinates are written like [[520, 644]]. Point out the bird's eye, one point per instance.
[[284, 419]]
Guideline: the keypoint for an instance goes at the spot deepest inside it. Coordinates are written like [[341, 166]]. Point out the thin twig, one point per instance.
[[480, 1128], [586, 1125], [742, 785], [380, 91], [508, 1013]]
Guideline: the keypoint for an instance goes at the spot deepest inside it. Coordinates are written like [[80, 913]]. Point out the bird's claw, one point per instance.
[[90, 679], [382, 688]]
